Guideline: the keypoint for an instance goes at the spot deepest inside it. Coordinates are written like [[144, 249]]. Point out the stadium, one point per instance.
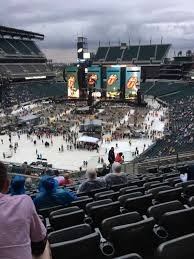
[[104, 157]]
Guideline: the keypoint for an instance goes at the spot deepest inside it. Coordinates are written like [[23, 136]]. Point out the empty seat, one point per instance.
[[137, 182], [97, 203], [169, 195], [178, 223], [172, 175], [81, 202], [122, 190], [124, 197], [124, 219], [129, 256], [189, 190], [133, 238], [152, 179], [100, 212], [66, 217], [102, 193], [131, 189], [117, 187], [93, 192], [105, 195], [147, 185], [139, 204], [74, 242], [184, 184], [157, 185], [46, 212], [191, 201], [155, 191], [178, 248], [157, 211], [172, 181]]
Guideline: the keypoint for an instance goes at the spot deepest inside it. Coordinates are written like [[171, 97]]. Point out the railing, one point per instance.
[[131, 167], [167, 161]]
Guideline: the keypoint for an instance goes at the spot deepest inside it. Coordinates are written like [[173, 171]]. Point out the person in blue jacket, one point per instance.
[[17, 185], [50, 195]]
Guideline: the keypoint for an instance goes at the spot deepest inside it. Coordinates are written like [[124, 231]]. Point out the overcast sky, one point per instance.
[[61, 21]]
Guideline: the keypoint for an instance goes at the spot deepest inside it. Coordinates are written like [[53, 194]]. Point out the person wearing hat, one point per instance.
[[50, 195], [17, 185]]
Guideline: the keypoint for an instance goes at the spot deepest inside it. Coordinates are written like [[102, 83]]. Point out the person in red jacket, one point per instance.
[[119, 158]]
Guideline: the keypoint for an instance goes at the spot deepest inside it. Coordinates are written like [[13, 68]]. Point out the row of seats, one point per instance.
[[21, 93], [134, 201], [18, 47], [140, 217], [15, 69], [124, 233], [137, 52], [163, 88]]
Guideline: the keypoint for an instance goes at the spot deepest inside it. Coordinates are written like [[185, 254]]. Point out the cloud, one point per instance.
[[62, 21]]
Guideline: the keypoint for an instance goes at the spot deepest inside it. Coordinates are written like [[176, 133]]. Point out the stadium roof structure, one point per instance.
[[133, 54], [8, 31]]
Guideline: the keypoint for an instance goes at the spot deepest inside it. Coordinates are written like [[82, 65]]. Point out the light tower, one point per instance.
[[82, 47]]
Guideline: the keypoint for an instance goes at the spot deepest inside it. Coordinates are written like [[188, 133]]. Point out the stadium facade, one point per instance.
[[24, 72], [149, 57]]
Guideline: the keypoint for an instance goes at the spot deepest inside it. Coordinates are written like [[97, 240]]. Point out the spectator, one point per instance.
[[17, 185], [116, 177], [22, 232], [92, 183], [111, 156], [28, 184], [67, 179], [50, 195], [119, 158], [59, 178]]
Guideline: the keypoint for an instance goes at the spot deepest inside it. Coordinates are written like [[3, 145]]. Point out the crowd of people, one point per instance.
[[54, 189], [58, 120], [14, 197]]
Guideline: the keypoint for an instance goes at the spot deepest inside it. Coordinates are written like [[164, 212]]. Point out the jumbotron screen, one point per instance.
[[113, 81], [132, 81], [94, 77], [72, 81]]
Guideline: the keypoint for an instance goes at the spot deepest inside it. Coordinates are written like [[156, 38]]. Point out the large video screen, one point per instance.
[[132, 81], [113, 81], [94, 78], [72, 81]]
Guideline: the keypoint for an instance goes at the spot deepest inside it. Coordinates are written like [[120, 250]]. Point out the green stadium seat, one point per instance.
[[130, 53]]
